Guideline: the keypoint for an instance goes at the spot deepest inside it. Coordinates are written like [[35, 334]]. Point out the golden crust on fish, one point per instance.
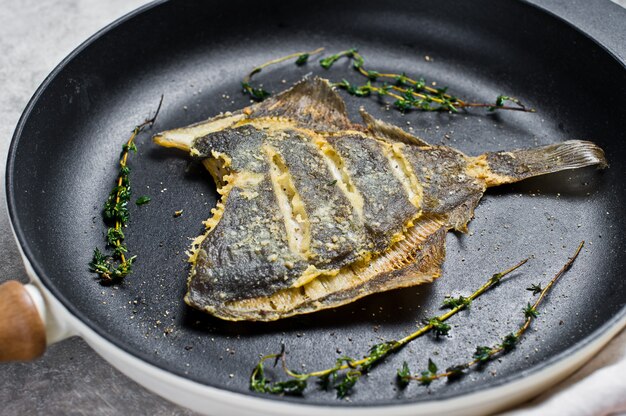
[[317, 211]]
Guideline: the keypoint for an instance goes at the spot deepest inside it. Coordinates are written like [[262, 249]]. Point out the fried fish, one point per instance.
[[317, 211]]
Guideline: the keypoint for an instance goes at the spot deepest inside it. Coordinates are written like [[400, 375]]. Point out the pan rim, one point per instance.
[[42, 277]]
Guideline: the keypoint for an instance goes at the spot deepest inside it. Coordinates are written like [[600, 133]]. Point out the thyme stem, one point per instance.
[[259, 68]]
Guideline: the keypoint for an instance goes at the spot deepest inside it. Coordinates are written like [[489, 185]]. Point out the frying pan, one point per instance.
[[62, 163]]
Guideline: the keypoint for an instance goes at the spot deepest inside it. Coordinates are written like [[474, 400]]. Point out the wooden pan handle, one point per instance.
[[22, 332]]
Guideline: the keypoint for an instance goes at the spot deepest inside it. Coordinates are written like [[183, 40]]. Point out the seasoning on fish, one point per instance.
[[317, 211]]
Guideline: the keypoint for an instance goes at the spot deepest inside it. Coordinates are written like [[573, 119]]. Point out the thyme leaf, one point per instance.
[[403, 375], [456, 371], [502, 99], [439, 327], [373, 75], [114, 235], [345, 385], [144, 199], [535, 288], [257, 94], [302, 59], [376, 353], [530, 311], [329, 61], [403, 105], [260, 384], [461, 301], [431, 366], [483, 353], [426, 377], [510, 341], [495, 279]]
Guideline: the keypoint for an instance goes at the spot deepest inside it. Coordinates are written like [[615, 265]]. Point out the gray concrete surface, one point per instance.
[[70, 378]]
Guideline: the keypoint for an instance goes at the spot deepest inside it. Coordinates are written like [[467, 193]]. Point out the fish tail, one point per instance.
[[497, 168]]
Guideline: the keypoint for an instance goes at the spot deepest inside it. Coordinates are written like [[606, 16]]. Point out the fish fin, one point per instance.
[[312, 102], [414, 260], [389, 132], [497, 168], [425, 269], [458, 218], [183, 137]]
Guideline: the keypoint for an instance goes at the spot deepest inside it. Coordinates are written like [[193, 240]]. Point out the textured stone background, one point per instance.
[[71, 378]]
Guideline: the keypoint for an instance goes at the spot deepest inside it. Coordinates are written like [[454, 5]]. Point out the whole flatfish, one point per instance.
[[317, 211]]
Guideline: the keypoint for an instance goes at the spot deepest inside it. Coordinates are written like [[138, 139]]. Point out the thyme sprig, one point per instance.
[[408, 93], [415, 93], [115, 266], [347, 371], [483, 354]]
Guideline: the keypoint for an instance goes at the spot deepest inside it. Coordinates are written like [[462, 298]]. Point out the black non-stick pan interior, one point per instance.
[[63, 163]]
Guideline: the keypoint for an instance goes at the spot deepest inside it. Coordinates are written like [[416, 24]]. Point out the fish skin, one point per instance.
[[311, 177], [318, 211], [386, 205]]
